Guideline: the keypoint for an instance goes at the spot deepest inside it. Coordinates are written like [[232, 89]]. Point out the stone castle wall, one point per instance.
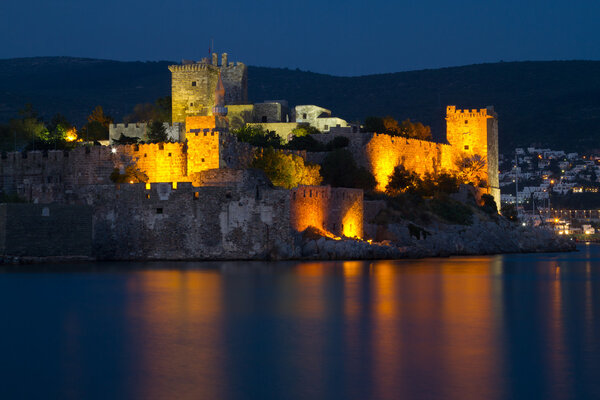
[[381, 153], [235, 81], [384, 152], [49, 230], [189, 223], [84, 166], [192, 89], [336, 210], [469, 132], [162, 221], [162, 162], [193, 86]]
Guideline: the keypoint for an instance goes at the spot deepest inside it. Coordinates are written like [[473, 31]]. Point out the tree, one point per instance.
[[374, 124], [163, 110], [61, 132], [415, 130], [28, 130], [391, 126], [94, 131], [256, 136], [402, 181], [471, 169], [97, 125], [304, 130], [447, 183], [286, 170], [157, 133], [489, 204], [509, 211], [146, 112], [340, 170], [305, 142], [98, 115]]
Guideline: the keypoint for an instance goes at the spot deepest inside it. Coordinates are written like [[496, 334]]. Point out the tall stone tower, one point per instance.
[[193, 86], [471, 132]]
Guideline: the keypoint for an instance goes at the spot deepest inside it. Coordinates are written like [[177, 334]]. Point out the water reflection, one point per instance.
[[521, 326]]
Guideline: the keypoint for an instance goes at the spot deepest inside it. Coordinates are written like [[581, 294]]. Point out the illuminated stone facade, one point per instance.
[[335, 210], [469, 133], [193, 86], [476, 132], [383, 153], [203, 133], [161, 162]]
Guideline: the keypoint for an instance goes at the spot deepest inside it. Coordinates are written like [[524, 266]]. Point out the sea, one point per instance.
[[516, 326]]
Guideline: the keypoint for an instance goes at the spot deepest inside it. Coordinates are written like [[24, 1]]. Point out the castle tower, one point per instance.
[[193, 86], [471, 132], [219, 109]]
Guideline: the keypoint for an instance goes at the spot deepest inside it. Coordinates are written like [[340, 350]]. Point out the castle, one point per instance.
[[201, 200]]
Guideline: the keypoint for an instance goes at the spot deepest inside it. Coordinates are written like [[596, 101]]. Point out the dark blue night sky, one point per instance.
[[341, 37]]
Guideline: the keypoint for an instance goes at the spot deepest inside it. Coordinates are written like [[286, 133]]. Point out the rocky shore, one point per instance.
[[481, 239]]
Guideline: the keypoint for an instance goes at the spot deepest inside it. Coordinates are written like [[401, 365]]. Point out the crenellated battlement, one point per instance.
[[190, 66], [125, 125], [201, 66], [453, 112]]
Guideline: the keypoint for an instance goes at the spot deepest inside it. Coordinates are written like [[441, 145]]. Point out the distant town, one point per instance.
[[554, 188]]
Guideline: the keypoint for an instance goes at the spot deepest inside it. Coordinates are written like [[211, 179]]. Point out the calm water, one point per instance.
[[517, 326]]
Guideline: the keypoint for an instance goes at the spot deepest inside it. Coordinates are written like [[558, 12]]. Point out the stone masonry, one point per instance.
[[193, 86]]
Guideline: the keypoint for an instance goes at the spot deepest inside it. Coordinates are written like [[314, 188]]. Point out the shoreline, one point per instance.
[[406, 255]]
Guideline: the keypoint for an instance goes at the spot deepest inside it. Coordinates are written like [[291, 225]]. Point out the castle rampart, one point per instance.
[[161, 162], [160, 221], [336, 210], [469, 133]]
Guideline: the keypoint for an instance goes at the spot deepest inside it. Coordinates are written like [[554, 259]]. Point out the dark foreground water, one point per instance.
[[516, 326]]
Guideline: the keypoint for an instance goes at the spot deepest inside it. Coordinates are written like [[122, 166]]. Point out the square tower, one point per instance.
[[193, 86], [204, 134], [472, 132], [192, 89]]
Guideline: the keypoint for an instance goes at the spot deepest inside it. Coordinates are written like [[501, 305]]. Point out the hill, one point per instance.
[[556, 103]]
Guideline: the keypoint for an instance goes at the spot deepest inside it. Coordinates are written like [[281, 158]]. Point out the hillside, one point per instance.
[[555, 103]]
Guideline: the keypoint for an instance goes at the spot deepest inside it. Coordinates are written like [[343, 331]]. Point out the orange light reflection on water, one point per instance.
[[428, 328], [179, 332]]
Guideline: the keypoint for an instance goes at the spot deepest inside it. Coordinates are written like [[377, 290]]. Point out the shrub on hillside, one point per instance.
[[340, 170], [452, 211], [489, 204], [286, 170]]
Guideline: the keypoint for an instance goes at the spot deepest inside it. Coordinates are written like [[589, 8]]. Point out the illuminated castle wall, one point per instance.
[[469, 132], [476, 132], [336, 210], [193, 86], [383, 153]]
